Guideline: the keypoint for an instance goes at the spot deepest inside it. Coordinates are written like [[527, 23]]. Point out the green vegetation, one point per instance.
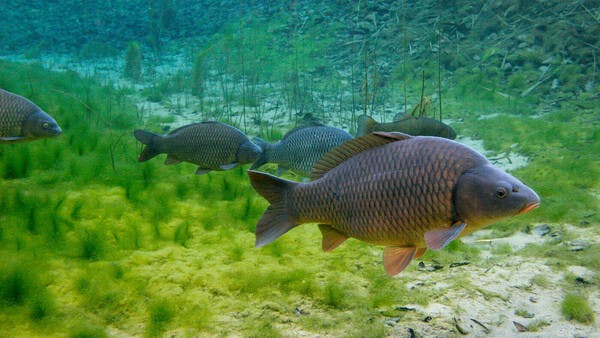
[[576, 307], [160, 312], [133, 62]]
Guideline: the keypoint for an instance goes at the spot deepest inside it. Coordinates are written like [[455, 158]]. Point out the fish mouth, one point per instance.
[[528, 207]]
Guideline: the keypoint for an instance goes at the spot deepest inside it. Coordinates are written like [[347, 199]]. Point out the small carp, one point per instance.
[[301, 148], [408, 124], [22, 120], [210, 145], [403, 192]]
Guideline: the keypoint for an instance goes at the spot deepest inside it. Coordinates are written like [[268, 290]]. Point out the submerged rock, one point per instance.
[[578, 245], [541, 230]]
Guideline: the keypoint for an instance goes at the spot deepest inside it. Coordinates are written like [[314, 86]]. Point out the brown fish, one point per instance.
[[210, 145], [406, 193], [408, 124], [22, 120]]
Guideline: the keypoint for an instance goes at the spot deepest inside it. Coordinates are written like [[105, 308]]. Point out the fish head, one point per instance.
[[40, 125], [248, 152], [485, 194]]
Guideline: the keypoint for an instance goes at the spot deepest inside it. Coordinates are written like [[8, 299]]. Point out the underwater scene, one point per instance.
[[180, 168]]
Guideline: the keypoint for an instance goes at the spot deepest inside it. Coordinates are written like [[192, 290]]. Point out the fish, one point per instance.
[[211, 145], [300, 148], [408, 124], [406, 193], [23, 120]]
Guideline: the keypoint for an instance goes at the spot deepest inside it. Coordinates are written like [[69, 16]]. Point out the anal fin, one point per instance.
[[202, 171], [396, 259], [331, 237], [172, 160], [439, 238]]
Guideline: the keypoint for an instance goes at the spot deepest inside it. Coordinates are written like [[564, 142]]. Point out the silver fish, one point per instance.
[[301, 148]]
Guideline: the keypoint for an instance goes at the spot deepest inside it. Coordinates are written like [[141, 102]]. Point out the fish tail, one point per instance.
[[150, 140], [276, 220], [366, 124], [264, 155]]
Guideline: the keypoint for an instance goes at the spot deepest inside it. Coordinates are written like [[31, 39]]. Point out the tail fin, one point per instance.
[[264, 155], [366, 125], [276, 220], [150, 140]]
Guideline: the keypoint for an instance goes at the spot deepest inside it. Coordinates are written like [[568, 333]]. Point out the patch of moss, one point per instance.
[[576, 307], [160, 313], [541, 281], [88, 331]]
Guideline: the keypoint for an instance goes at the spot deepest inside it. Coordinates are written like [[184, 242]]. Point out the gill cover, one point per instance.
[[485, 193]]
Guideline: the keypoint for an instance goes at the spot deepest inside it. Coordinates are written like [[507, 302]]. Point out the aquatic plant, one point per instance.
[[182, 234], [133, 62], [96, 50], [17, 285], [198, 76], [537, 325], [160, 312], [334, 295], [88, 331], [16, 162], [541, 281], [265, 329], [92, 244], [576, 307], [41, 306]]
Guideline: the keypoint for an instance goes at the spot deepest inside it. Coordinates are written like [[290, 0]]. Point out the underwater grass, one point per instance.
[[160, 313], [576, 307]]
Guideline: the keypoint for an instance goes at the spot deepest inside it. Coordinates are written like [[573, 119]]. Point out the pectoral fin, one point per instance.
[[395, 259], [439, 238], [331, 237], [228, 166], [12, 138]]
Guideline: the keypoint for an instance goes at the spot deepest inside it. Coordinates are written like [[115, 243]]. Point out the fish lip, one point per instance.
[[528, 207]]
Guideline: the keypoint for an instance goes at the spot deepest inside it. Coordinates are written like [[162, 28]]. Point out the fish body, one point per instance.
[[210, 145], [408, 124], [301, 148], [22, 120], [406, 193]]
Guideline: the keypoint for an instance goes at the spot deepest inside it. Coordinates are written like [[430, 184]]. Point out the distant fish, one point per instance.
[[22, 120], [408, 124], [210, 145], [406, 193], [300, 148]]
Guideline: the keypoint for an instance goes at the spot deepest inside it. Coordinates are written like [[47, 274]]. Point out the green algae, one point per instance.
[[576, 307]]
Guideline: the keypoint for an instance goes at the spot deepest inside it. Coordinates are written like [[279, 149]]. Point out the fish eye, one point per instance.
[[501, 192], [46, 125]]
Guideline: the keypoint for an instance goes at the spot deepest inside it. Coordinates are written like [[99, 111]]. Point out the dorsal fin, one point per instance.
[[401, 116], [352, 147], [192, 125]]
